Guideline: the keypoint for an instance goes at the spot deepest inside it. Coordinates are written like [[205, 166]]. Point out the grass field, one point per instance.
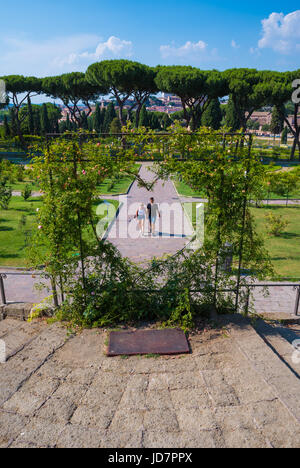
[[13, 237], [185, 191], [284, 250], [117, 186], [19, 186], [108, 187]]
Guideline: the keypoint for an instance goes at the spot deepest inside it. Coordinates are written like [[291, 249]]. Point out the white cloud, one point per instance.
[[113, 47], [234, 45], [58, 55], [187, 50], [281, 32]]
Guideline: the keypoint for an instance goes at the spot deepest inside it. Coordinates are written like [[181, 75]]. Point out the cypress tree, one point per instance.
[[13, 124], [144, 120], [276, 125], [231, 117], [62, 126], [37, 121], [166, 121], [97, 119], [30, 117], [68, 123], [6, 127], [56, 126], [110, 115], [103, 111], [45, 124], [212, 116], [115, 126], [154, 122], [284, 136], [85, 125]]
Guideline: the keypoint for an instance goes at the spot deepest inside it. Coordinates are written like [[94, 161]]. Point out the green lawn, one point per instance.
[[108, 187], [13, 237], [19, 186], [184, 190], [284, 250], [116, 186], [295, 194]]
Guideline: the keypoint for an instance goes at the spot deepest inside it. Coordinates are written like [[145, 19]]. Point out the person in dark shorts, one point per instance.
[[153, 212]]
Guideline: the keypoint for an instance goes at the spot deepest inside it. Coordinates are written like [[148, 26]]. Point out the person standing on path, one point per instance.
[[153, 211], [141, 216]]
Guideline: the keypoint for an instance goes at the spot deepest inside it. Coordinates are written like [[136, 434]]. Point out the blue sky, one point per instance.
[[48, 38]]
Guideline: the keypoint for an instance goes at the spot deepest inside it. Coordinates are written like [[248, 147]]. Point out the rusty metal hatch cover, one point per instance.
[[166, 341]]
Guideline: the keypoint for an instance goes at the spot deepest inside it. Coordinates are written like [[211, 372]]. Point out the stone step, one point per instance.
[[273, 364], [17, 310], [283, 340], [28, 346]]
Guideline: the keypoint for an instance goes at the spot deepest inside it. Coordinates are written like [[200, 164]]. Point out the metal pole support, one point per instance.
[[297, 301], [247, 301], [2, 290]]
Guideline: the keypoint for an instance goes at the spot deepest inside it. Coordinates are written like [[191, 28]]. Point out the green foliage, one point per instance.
[[16, 87], [45, 124], [115, 126], [6, 127], [97, 119], [276, 125], [26, 193], [283, 183], [143, 120], [72, 88], [122, 79], [109, 116], [212, 116], [249, 91], [253, 124], [231, 117], [120, 291], [30, 117], [195, 87], [101, 288], [284, 136], [5, 193], [275, 224]]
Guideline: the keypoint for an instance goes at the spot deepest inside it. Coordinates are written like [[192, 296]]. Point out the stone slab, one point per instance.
[[166, 341]]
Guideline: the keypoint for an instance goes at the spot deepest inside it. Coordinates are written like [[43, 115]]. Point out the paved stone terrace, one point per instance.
[[232, 391]]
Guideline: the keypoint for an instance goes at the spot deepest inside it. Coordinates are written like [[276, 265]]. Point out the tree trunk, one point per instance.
[[292, 156], [298, 141]]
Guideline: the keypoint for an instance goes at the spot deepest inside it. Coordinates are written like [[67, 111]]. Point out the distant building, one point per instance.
[[265, 118]]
